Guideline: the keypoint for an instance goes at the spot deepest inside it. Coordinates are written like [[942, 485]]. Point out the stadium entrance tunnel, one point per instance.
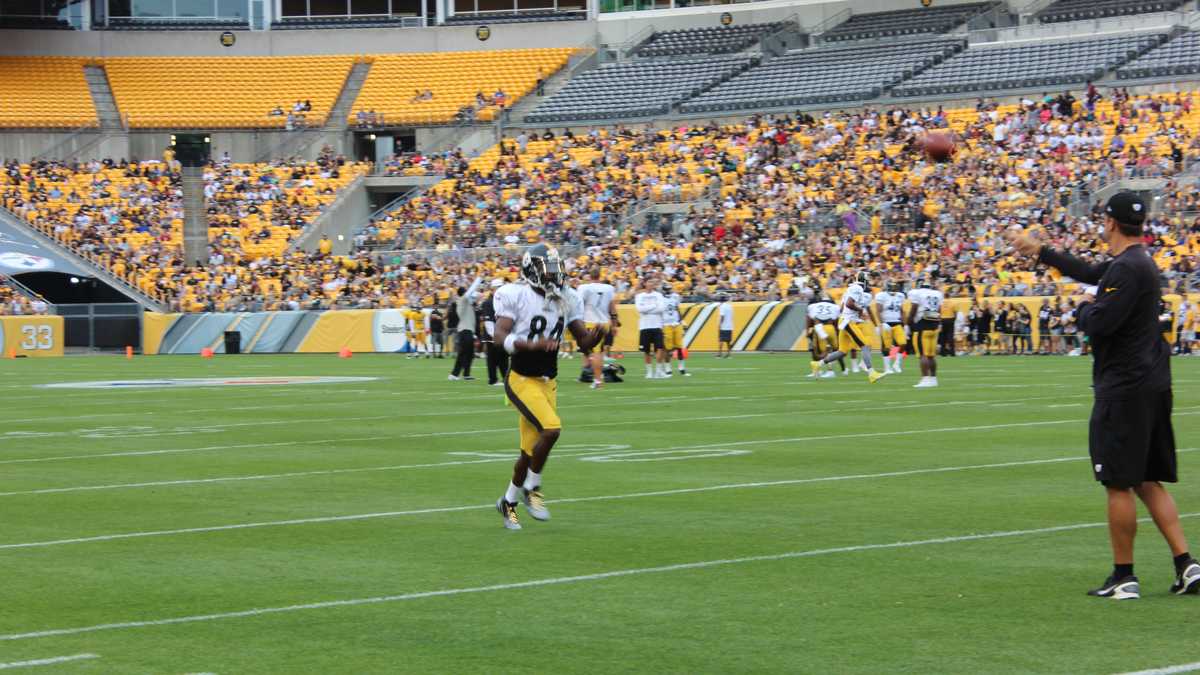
[[62, 288], [95, 315]]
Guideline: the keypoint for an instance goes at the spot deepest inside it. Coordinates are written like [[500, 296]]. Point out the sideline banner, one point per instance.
[[390, 330], [34, 336], [757, 325], [335, 329]]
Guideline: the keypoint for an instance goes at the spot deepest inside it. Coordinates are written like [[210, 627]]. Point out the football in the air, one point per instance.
[[939, 147]]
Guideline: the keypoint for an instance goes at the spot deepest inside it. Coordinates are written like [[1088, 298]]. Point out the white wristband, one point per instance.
[[510, 344]]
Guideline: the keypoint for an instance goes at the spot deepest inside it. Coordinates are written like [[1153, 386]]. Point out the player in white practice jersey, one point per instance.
[[852, 328], [673, 330], [925, 316], [531, 317], [599, 314], [889, 309], [650, 306], [822, 332]]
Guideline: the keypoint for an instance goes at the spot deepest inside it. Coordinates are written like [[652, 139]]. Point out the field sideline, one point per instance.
[[741, 520]]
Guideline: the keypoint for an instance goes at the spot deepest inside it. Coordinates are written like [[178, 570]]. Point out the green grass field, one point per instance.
[[741, 520]]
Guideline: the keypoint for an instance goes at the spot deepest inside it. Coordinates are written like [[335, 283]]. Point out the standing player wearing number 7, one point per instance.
[[530, 319]]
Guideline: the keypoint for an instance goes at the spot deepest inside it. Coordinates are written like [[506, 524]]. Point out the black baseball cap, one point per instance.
[[1127, 208]]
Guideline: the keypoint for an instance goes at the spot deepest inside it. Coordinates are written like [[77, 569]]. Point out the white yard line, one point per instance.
[[616, 454], [47, 662], [334, 441], [122, 433], [140, 432], [569, 500], [548, 581], [377, 437], [1168, 670]]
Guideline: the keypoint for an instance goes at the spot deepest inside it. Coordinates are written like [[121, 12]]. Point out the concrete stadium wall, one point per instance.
[[617, 28], [243, 146], [613, 28], [296, 42]]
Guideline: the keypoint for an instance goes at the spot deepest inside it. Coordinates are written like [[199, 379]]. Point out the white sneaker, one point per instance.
[[811, 376], [453, 377], [535, 504], [597, 385], [685, 373], [666, 374], [828, 374], [926, 383]]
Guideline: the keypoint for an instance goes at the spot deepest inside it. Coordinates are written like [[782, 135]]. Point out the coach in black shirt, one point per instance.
[[1130, 439]]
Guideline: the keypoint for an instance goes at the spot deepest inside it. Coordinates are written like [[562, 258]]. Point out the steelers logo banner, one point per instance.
[[23, 262]]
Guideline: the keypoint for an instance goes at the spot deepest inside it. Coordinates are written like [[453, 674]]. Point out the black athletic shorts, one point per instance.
[[1131, 440], [650, 339], [725, 336]]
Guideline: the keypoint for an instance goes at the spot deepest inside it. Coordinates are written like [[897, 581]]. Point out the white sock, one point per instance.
[[649, 369], [533, 480], [513, 493], [682, 365]]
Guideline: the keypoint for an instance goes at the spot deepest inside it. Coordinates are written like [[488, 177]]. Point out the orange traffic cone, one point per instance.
[[128, 351], [345, 353], [206, 353]]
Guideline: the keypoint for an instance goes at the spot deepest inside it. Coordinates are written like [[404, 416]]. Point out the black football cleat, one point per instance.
[[1187, 582], [1125, 588]]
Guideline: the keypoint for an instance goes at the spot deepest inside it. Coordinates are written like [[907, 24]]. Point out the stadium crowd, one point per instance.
[[14, 303], [771, 201]]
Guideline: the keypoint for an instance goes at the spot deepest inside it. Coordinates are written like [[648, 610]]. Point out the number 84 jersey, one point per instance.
[[535, 316]]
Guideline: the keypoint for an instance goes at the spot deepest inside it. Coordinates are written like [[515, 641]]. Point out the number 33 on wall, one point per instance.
[[31, 335]]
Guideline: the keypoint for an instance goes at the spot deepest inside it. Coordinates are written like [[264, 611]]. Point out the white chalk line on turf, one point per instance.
[[52, 661], [377, 437], [568, 500], [144, 432], [342, 470], [800, 412], [1168, 670], [550, 581]]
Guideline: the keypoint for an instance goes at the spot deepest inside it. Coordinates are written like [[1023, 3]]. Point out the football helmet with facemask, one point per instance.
[[542, 268]]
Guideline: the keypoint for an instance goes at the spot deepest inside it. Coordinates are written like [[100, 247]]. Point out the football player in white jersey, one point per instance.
[[852, 327], [822, 334], [599, 314], [925, 316], [673, 330], [531, 316], [888, 310], [650, 306]]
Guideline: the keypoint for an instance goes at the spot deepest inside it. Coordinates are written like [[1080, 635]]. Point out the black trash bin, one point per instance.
[[233, 342]]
